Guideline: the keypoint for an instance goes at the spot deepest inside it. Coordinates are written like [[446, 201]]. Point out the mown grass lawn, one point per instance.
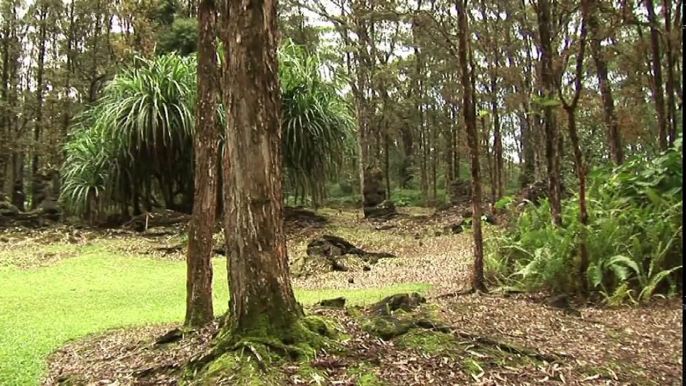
[[44, 307]]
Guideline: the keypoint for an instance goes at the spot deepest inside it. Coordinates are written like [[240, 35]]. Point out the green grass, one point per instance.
[[41, 309]]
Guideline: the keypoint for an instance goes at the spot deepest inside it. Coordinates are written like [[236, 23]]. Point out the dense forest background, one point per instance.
[[395, 68]]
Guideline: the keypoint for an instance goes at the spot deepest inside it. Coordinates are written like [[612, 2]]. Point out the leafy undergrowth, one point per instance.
[[490, 340], [633, 238]]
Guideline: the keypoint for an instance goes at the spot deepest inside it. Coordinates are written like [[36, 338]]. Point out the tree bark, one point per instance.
[[66, 121], [199, 310], [612, 126], [551, 132], [261, 302], [473, 142], [658, 94], [670, 83], [38, 123], [579, 163], [6, 178]]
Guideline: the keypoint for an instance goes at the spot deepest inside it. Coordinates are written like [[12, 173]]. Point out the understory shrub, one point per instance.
[[634, 237]]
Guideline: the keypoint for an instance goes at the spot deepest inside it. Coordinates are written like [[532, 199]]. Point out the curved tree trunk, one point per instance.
[[262, 303], [199, 308], [570, 109]]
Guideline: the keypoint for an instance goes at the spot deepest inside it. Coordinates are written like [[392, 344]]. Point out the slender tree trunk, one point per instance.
[[489, 157], [456, 141], [497, 138], [669, 85], [551, 132], [612, 126], [261, 301], [473, 141], [387, 162], [38, 123], [658, 94], [434, 157], [497, 142], [199, 310], [5, 126], [579, 163], [67, 79]]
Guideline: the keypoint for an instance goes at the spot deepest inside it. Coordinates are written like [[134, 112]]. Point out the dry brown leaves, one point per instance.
[[604, 347], [425, 253], [126, 357]]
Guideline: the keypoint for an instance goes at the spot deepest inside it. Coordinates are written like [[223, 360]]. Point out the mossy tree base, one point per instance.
[[256, 360]]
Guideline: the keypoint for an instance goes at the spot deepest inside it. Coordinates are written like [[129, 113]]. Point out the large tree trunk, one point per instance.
[[551, 133], [473, 142], [262, 303], [199, 257]]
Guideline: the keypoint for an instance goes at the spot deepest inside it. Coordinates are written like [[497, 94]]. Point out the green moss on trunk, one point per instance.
[[255, 359]]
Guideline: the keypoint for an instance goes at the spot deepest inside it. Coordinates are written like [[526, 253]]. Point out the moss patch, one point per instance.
[[364, 375], [430, 342], [258, 358], [321, 326], [369, 380], [238, 369]]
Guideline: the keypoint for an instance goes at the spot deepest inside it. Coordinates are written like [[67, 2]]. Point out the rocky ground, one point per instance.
[[484, 339]]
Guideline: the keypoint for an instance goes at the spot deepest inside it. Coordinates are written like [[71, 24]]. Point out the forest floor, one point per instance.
[[86, 306]]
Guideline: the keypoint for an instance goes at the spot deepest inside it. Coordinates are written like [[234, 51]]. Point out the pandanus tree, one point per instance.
[[136, 142], [134, 148], [316, 123]]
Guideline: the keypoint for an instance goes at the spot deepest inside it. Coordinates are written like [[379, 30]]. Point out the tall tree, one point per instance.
[[551, 133], [658, 93], [261, 297], [199, 308], [469, 109], [671, 59], [611, 123], [579, 163], [42, 16]]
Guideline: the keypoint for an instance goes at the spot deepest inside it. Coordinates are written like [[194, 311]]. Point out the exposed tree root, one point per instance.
[[512, 349], [232, 356]]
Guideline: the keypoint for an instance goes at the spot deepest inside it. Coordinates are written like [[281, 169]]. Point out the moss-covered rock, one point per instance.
[[321, 326], [354, 312], [387, 327], [332, 303], [405, 302]]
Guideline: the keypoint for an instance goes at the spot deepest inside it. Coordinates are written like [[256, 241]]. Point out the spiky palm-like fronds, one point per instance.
[[88, 166], [317, 124], [137, 142]]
